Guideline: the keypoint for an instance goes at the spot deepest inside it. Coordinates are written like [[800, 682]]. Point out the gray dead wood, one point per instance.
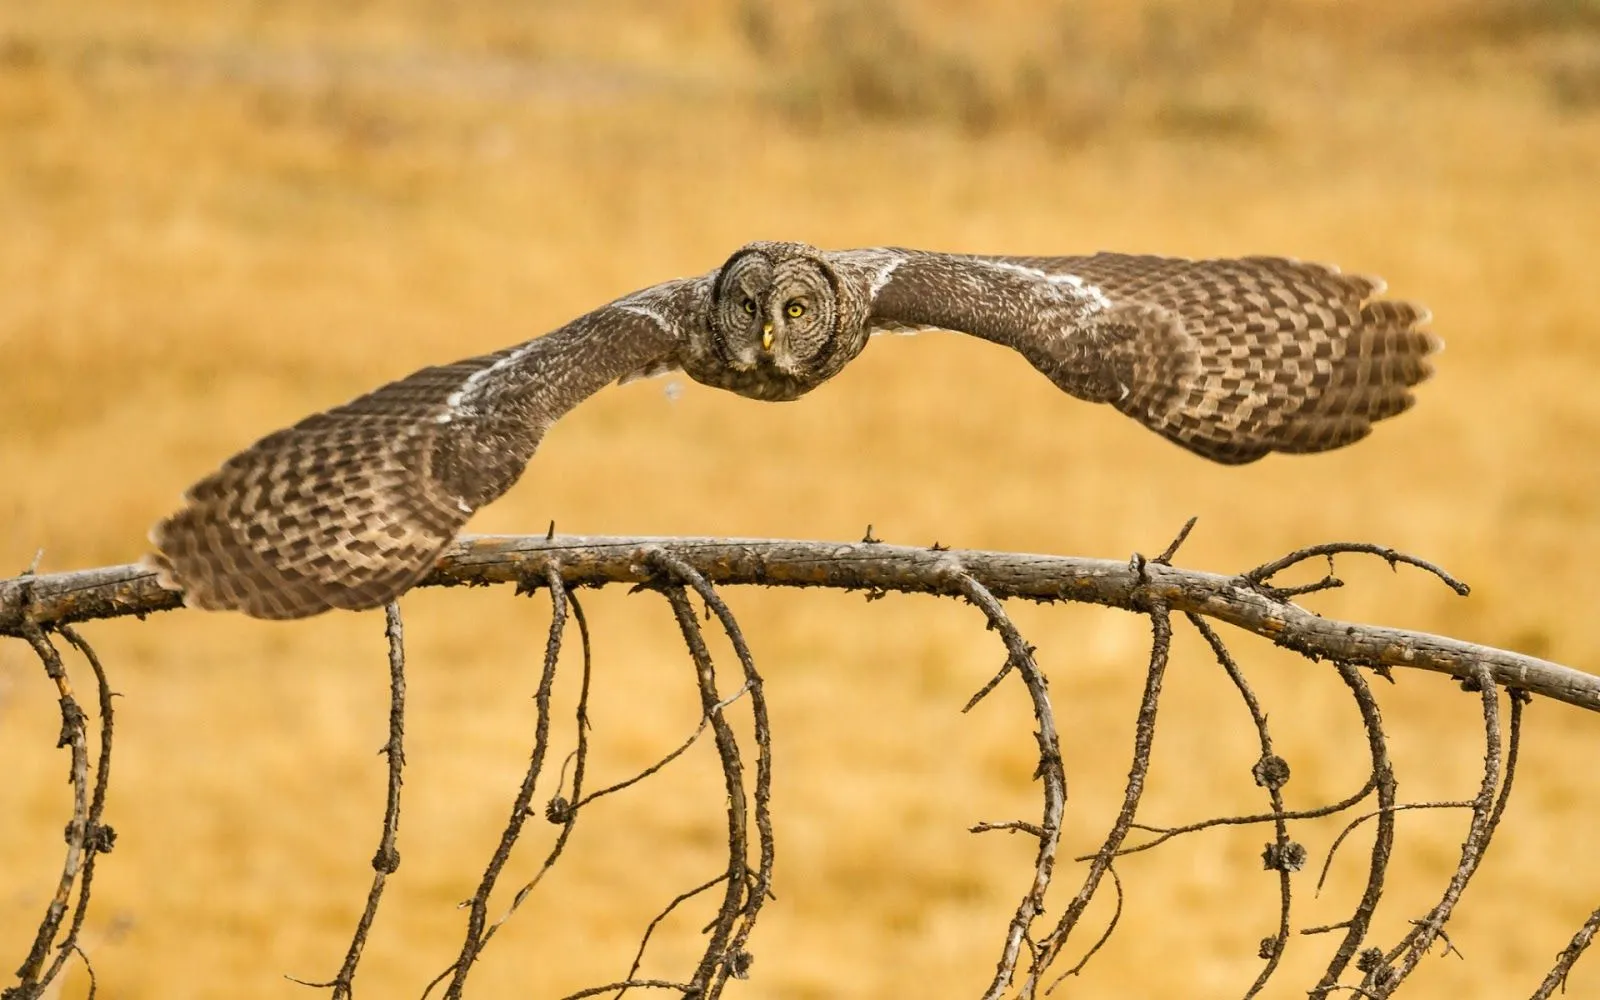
[[61, 598]]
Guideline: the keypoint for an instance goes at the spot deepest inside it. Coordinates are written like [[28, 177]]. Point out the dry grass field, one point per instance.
[[216, 217]]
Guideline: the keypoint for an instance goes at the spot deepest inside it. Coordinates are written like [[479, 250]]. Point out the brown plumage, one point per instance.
[[1231, 359], [1237, 358]]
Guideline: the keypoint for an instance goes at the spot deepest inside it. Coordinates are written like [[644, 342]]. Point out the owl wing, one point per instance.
[[1230, 358], [350, 507]]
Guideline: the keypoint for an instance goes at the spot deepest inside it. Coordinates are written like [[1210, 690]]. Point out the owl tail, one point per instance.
[[1268, 355]]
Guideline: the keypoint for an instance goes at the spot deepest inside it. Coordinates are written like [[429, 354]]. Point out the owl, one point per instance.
[[1229, 358]]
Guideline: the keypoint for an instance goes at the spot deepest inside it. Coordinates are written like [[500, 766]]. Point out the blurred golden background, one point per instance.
[[220, 216]]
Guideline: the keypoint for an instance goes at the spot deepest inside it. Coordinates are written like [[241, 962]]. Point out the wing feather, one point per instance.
[[350, 507], [1230, 358]]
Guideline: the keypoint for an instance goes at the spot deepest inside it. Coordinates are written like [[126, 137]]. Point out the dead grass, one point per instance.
[[219, 217]]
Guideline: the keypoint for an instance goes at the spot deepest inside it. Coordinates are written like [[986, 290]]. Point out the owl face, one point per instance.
[[775, 313]]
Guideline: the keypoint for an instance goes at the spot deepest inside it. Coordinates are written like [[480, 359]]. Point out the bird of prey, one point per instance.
[[1230, 358]]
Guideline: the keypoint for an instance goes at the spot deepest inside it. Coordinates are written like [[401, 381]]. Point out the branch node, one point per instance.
[[1165, 558]]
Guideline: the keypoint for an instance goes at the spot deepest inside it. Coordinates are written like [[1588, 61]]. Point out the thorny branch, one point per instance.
[[1557, 979], [1272, 773], [387, 859], [1355, 927], [1144, 735], [34, 607], [730, 959], [558, 809], [1019, 657], [478, 905], [1246, 601], [86, 835]]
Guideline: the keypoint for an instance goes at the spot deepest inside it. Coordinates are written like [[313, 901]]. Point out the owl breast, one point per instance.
[[763, 381]]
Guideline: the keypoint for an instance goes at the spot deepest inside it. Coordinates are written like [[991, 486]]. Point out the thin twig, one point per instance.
[[1009, 826], [678, 900], [1111, 925], [472, 945], [672, 755], [1133, 792], [1271, 772], [717, 952], [1557, 977], [32, 976], [558, 810], [1165, 558], [387, 858], [687, 989], [1351, 827], [1167, 833], [738, 960], [1382, 843], [1050, 768], [99, 838], [1420, 938], [1266, 571]]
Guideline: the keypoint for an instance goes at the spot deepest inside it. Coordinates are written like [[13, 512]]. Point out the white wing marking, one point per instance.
[[1093, 298], [881, 327], [459, 403], [650, 314], [882, 277]]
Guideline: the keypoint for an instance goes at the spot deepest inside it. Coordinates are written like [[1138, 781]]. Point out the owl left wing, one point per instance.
[[350, 507], [1230, 358]]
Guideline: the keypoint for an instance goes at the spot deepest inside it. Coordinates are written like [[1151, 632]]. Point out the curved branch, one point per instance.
[[33, 976], [477, 917], [1557, 977], [49, 599], [1132, 793], [386, 861], [1050, 770], [1382, 844], [707, 977]]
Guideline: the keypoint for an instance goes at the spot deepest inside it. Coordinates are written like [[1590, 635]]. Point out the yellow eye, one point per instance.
[[794, 310], [750, 306]]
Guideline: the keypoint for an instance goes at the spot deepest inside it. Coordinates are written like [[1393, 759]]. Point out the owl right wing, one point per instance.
[[1230, 358], [349, 507]]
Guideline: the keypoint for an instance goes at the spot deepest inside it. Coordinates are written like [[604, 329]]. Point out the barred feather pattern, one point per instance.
[[350, 507], [1234, 359]]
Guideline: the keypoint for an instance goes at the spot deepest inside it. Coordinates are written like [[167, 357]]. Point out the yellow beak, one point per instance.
[[766, 336]]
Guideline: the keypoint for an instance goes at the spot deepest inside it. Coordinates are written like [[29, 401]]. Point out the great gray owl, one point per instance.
[[1231, 359]]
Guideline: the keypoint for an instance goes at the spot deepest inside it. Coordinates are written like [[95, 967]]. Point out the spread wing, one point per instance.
[[1231, 359], [350, 507]]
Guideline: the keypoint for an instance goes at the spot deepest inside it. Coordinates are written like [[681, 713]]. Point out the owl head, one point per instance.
[[778, 327]]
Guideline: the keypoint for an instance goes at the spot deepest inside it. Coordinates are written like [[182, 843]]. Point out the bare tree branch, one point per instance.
[[1019, 655], [1272, 773], [33, 976], [54, 598], [1143, 741], [717, 953], [387, 859], [1557, 979], [1382, 843], [1420, 938], [32, 607], [478, 905]]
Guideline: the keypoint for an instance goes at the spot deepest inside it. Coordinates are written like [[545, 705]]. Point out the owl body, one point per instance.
[[1232, 359]]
